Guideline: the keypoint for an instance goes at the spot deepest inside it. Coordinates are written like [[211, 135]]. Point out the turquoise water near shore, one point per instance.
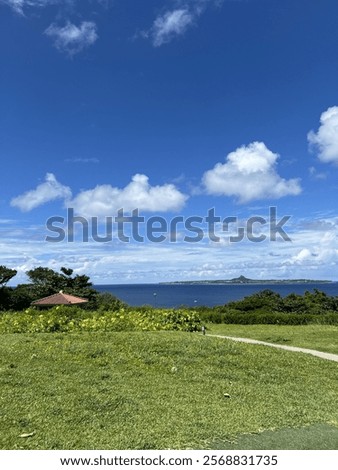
[[175, 295]]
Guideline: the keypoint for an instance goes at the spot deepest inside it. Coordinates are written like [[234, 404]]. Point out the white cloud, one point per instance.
[[105, 200], [248, 174], [19, 5], [314, 174], [312, 254], [82, 160], [174, 23], [171, 24], [71, 38], [50, 190], [325, 141], [302, 256]]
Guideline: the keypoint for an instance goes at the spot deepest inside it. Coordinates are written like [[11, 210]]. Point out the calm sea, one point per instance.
[[175, 295]]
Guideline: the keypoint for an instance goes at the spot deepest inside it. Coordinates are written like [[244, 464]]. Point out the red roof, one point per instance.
[[60, 299]]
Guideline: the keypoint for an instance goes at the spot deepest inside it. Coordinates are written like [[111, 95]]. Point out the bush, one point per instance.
[[265, 299], [106, 301], [267, 307], [65, 319]]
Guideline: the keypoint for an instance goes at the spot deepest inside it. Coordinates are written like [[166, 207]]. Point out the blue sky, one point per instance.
[[172, 107]]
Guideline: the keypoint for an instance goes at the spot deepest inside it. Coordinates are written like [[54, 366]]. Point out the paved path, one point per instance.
[[313, 352]]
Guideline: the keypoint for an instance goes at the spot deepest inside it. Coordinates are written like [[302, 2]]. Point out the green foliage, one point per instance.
[[106, 301], [268, 307], [265, 299], [264, 307], [6, 275], [21, 297], [46, 282], [65, 319], [5, 294]]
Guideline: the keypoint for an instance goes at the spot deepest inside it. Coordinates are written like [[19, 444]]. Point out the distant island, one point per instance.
[[245, 280]]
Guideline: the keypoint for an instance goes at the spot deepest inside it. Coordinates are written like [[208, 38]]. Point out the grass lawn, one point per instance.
[[159, 390], [320, 337]]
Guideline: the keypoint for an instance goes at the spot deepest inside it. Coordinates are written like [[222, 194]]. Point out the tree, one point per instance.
[[263, 300], [46, 281], [107, 301], [6, 275], [20, 297]]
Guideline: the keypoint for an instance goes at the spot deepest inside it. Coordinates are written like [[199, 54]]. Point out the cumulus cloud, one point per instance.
[[71, 38], [325, 140], [320, 257], [50, 190], [249, 173], [105, 200], [303, 256]]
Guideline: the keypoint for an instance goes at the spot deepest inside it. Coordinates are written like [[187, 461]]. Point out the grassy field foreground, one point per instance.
[[111, 390], [320, 337]]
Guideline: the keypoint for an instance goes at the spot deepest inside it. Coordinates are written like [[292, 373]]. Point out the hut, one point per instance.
[[59, 299]]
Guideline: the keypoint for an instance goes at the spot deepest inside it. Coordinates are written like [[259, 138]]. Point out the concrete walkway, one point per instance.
[[313, 352]]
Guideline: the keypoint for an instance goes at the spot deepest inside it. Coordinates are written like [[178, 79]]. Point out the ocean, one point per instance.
[[176, 295]]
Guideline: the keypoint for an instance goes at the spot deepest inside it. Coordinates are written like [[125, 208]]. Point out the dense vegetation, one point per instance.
[[268, 307], [68, 319], [129, 386], [44, 282], [105, 312]]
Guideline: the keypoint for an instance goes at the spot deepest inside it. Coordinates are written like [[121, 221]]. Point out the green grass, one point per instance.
[[320, 337], [154, 390]]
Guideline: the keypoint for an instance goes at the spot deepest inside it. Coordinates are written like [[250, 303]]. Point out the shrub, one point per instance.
[[65, 319]]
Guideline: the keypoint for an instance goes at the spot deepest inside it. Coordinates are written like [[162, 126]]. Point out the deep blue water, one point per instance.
[[175, 295]]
